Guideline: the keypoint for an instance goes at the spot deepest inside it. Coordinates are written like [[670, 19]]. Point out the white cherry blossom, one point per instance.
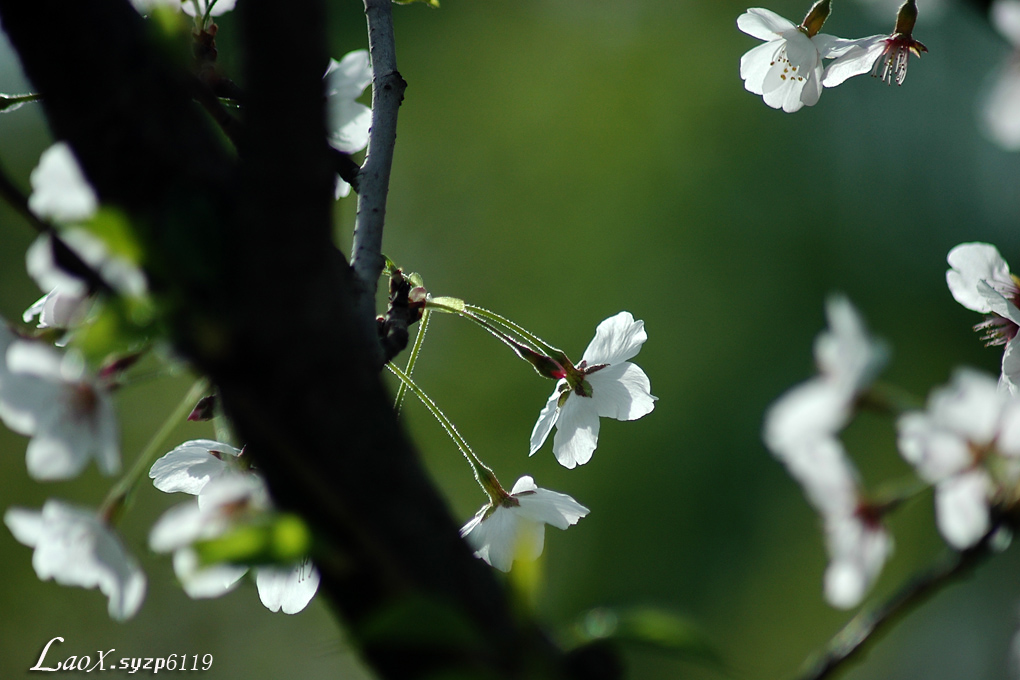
[[801, 430], [606, 384], [348, 120], [68, 414], [787, 69], [1000, 110], [886, 56], [75, 547], [515, 529], [60, 191], [980, 280], [225, 494], [969, 429]]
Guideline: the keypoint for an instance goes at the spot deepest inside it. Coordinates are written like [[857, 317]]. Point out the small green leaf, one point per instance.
[[430, 3], [116, 326], [114, 229], [278, 539]]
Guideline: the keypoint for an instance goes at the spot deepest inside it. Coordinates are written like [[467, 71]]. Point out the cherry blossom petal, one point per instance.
[[546, 419], [756, 64], [763, 24], [60, 191], [857, 59], [971, 264], [577, 432], [204, 582], [617, 339], [287, 589], [857, 551], [1005, 16], [961, 508], [190, 466], [621, 391]]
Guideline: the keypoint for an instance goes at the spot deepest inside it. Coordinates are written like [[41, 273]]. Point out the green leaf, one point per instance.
[[658, 629], [430, 3], [116, 326], [114, 229], [275, 539]]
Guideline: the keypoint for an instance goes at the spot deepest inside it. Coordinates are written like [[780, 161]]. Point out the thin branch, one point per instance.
[[862, 629], [388, 87]]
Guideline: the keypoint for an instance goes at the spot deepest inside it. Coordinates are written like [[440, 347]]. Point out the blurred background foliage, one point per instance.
[[561, 160]]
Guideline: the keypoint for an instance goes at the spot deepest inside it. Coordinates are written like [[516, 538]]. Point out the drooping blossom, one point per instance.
[[227, 493], [801, 430], [885, 56], [787, 69], [515, 528], [966, 443], [75, 547], [980, 280], [348, 120], [1000, 110], [52, 398], [604, 384]]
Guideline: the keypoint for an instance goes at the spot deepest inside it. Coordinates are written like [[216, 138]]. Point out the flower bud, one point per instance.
[[816, 17]]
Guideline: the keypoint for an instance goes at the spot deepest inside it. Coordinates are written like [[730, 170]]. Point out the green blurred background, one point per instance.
[[559, 161]]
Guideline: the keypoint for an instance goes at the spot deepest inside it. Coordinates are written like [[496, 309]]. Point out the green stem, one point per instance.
[[483, 474], [412, 359], [538, 342], [547, 366], [116, 499]]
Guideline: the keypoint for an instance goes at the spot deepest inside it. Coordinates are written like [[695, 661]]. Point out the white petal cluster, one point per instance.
[[787, 69], [74, 547], [980, 280], [618, 389], [348, 120], [515, 529], [225, 495], [801, 430], [51, 398], [970, 430], [1000, 111]]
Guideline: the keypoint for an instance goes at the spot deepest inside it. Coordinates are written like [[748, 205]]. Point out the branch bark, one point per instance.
[[387, 93]]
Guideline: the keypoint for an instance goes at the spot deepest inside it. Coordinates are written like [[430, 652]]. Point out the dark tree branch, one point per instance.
[[241, 262], [387, 93]]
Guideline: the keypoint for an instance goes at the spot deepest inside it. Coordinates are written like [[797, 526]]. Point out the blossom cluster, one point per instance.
[[788, 70], [964, 444], [52, 392]]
